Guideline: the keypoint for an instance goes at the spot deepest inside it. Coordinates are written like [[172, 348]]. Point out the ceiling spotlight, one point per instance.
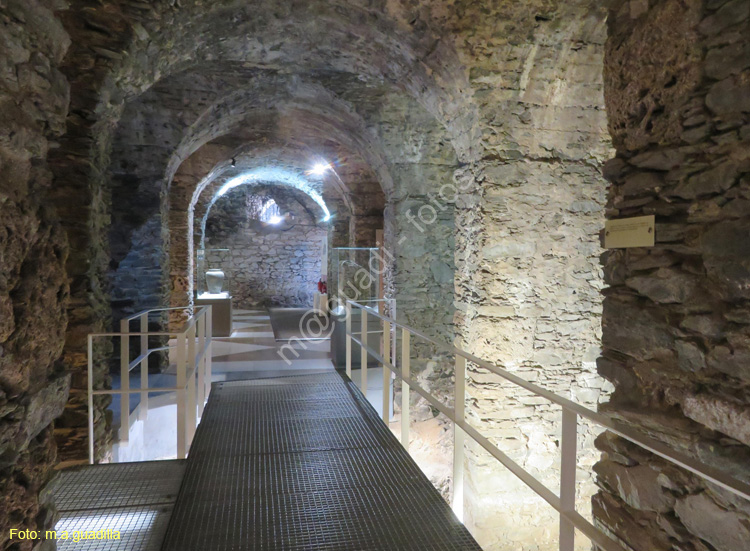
[[234, 162], [319, 169], [275, 220]]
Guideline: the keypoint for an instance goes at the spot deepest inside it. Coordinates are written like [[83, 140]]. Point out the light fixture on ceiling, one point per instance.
[[319, 169], [275, 220]]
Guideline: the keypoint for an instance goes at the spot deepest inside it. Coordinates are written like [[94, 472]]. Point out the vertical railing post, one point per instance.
[[394, 344], [363, 352], [91, 397], [191, 419], [124, 381], [568, 461], [405, 369], [459, 437], [201, 389], [144, 367], [209, 350], [386, 371], [348, 340], [181, 396]]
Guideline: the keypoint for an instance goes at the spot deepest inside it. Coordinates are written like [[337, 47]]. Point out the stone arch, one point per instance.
[[120, 50], [191, 191]]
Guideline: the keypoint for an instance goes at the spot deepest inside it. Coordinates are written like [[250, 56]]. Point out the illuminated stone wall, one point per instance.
[[266, 265]]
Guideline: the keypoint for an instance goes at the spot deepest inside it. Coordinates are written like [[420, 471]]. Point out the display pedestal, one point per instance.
[[320, 303], [338, 340], [221, 312]]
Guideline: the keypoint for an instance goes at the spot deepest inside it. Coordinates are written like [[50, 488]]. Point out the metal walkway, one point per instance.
[[304, 463]]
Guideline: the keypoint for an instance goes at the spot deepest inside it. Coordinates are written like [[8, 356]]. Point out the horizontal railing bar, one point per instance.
[[152, 310], [594, 534], [699, 468], [199, 356], [588, 529], [706, 472], [138, 334], [103, 392], [135, 390], [413, 384], [142, 357], [199, 311], [184, 329], [449, 412]]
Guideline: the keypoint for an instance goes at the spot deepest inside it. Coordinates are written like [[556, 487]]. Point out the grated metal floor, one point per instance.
[[304, 463], [135, 499]]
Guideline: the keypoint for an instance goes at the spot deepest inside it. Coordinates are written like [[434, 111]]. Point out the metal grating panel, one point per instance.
[[282, 393], [135, 499], [239, 435], [254, 476], [141, 528], [118, 485], [368, 517], [276, 381], [307, 466]]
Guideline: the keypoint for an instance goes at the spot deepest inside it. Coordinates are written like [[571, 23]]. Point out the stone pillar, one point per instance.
[[181, 261], [676, 320], [528, 276], [419, 271], [338, 236], [362, 230]]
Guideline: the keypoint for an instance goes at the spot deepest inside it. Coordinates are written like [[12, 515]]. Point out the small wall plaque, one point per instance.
[[629, 232]]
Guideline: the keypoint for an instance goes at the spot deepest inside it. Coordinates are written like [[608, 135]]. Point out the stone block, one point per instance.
[[725, 530], [638, 486]]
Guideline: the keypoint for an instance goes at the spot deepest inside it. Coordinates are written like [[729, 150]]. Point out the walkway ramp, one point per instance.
[[304, 463]]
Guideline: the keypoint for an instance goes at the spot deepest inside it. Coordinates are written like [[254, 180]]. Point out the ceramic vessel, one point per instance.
[[214, 281]]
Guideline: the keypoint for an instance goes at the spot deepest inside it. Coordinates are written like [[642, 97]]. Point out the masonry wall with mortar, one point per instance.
[[34, 289], [528, 278]]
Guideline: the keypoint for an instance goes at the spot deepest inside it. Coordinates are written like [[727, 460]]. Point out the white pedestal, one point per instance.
[[221, 313], [320, 303]]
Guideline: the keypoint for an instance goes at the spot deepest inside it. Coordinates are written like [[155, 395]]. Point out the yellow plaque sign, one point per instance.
[[629, 232]]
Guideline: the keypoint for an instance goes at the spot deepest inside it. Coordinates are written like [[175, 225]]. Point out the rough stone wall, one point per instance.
[[98, 36], [419, 232], [137, 283], [532, 70], [33, 285], [267, 265], [675, 321], [528, 279]]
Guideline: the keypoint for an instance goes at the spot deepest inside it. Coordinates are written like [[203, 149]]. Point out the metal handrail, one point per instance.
[[191, 364], [152, 310], [564, 504]]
